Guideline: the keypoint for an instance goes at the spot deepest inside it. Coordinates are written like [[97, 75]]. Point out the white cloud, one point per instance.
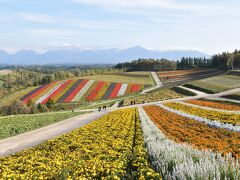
[[80, 24], [142, 4], [38, 18], [53, 32]]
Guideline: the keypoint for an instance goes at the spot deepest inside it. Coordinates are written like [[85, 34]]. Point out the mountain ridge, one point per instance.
[[94, 56]]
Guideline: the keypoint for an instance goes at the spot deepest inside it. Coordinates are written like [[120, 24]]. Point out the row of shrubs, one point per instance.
[[233, 96]]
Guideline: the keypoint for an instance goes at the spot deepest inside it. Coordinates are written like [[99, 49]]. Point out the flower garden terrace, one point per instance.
[[74, 90], [180, 138], [131, 143]]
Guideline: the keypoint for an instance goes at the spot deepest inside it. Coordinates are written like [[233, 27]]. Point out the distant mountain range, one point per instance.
[[97, 56]]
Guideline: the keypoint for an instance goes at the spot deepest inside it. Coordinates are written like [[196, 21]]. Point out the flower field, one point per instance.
[[220, 116], [216, 105], [197, 134], [183, 75], [175, 72], [177, 160], [111, 148], [18, 124], [153, 97], [11, 98], [79, 89], [211, 123]]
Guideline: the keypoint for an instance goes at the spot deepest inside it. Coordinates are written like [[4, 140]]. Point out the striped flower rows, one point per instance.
[[94, 93], [182, 161], [213, 115], [50, 93], [212, 123], [79, 89]]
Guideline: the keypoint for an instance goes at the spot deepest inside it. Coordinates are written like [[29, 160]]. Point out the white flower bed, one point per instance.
[[45, 96], [181, 161], [122, 90], [83, 90], [212, 123]]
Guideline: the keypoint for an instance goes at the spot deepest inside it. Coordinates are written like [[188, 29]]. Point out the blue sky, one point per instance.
[[210, 26]]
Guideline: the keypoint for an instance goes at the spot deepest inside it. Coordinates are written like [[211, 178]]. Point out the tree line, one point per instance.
[[189, 63], [147, 65], [224, 61]]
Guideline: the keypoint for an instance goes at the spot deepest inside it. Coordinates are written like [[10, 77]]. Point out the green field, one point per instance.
[[215, 84], [18, 124], [125, 77]]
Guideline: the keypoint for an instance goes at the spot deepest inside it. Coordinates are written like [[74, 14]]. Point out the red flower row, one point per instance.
[[94, 93], [135, 88], [55, 93], [115, 91], [36, 93]]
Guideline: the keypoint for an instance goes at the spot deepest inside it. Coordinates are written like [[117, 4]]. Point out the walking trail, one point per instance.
[[157, 82], [17, 143]]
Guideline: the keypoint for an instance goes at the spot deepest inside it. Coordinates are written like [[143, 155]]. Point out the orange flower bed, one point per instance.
[[216, 105], [177, 72], [182, 75], [200, 135]]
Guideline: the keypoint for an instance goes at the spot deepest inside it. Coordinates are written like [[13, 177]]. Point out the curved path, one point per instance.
[[198, 93], [210, 96], [157, 82], [17, 143]]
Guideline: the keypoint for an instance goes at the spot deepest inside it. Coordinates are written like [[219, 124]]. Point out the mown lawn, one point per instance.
[[125, 77], [216, 84]]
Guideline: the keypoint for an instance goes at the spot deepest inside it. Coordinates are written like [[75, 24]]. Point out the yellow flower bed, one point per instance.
[[205, 113], [153, 97], [111, 147], [102, 91]]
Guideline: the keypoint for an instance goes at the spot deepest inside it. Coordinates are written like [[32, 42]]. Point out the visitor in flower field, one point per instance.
[[99, 109]]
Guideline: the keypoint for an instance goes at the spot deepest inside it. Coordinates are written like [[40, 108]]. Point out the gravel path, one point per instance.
[[157, 82], [17, 143], [198, 93]]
